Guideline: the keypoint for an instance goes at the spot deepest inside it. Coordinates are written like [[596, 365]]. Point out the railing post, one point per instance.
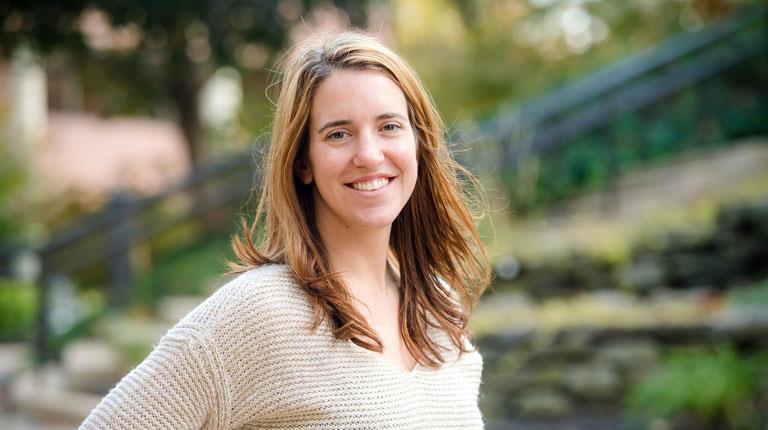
[[120, 241], [41, 339]]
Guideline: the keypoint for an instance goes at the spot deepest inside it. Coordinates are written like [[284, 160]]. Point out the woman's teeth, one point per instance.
[[372, 185]]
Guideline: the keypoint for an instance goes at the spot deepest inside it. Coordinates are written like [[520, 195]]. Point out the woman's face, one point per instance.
[[362, 151]]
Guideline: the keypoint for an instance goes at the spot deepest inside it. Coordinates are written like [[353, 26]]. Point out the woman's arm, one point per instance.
[[180, 385]]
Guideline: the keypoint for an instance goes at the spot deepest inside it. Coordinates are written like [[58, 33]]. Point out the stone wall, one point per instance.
[[733, 252], [586, 370]]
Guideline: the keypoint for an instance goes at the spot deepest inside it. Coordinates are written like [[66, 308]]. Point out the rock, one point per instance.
[[13, 359], [590, 273], [543, 403], [740, 321], [91, 365], [16, 421], [507, 267], [580, 338], [594, 380], [631, 358], [687, 269], [41, 394], [659, 424], [643, 275], [174, 308], [628, 354], [496, 344], [525, 378], [133, 337]]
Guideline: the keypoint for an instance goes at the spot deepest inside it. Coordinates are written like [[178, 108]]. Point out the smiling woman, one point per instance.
[[352, 312], [361, 155]]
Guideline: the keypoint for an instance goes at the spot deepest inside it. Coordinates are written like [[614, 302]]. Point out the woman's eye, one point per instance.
[[391, 126], [336, 135]]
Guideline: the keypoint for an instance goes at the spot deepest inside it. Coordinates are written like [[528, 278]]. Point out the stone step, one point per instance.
[[42, 395], [15, 421]]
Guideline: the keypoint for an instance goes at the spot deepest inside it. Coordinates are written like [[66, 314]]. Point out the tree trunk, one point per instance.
[[185, 89]]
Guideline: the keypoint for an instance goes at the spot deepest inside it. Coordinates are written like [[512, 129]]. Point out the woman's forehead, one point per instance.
[[357, 95]]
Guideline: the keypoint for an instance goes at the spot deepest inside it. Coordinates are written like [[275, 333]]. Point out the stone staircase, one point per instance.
[[60, 395]]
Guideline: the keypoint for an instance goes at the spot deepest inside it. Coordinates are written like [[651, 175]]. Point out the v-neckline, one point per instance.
[[380, 357], [385, 362]]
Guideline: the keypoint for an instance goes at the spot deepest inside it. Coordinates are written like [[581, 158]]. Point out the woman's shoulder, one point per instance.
[[263, 293], [258, 282]]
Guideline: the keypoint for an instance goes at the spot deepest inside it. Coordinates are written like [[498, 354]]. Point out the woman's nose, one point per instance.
[[368, 150]]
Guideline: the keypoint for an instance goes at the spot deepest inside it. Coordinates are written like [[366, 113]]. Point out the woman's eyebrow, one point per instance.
[[334, 124], [389, 115]]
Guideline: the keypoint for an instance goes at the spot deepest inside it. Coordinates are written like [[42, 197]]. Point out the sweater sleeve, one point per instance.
[[180, 385]]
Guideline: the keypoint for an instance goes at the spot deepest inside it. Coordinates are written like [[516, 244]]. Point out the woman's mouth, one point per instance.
[[370, 185]]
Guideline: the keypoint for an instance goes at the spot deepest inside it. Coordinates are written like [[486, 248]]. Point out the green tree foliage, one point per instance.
[[479, 55], [150, 51], [481, 58]]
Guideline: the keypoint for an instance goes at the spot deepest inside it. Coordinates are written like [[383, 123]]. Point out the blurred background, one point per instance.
[[623, 146]]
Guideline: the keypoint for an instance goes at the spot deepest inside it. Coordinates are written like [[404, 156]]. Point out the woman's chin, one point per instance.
[[373, 221]]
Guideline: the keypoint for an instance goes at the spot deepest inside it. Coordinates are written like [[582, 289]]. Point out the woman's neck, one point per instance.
[[360, 256]]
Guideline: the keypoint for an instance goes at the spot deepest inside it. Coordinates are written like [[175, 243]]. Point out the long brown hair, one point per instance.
[[433, 239]]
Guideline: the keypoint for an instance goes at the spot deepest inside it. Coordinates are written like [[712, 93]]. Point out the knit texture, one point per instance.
[[245, 359]]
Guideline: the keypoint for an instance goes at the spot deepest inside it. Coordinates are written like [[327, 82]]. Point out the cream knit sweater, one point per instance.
[[244, 359]]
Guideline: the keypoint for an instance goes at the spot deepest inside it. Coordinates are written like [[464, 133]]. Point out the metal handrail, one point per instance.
[[604, 84]]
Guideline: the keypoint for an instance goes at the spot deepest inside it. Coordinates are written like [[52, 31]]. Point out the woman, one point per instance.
[[352, 313]]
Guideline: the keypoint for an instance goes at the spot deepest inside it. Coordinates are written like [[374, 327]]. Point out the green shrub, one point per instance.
[[705, 388], [186, 270], [753, 295], [17, 310], [687, 121]]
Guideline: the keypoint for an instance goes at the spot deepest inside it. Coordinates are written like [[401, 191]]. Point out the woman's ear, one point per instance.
[[303, 171]]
